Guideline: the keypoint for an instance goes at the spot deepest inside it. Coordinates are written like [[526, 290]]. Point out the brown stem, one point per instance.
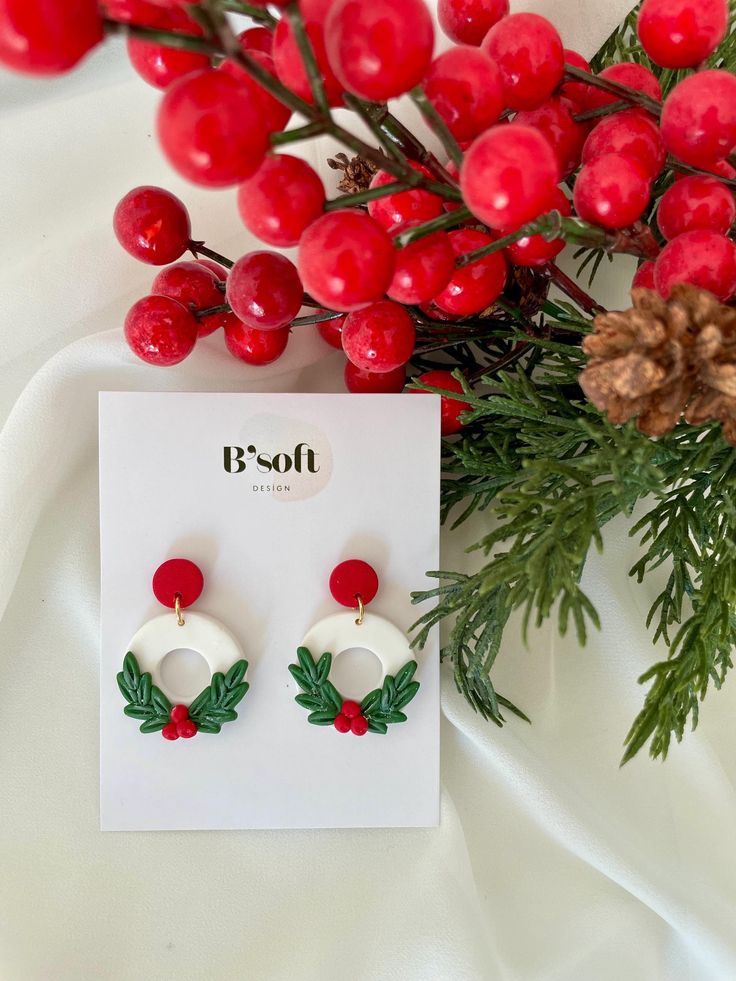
[[576, 293], [199, 248]]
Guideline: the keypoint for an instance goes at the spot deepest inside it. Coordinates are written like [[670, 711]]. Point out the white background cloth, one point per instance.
[[550, 862]]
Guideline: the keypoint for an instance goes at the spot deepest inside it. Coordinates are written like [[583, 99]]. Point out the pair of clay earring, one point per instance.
[[178, 583]]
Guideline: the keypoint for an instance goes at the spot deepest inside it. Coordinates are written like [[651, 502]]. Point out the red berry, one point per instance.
[[214, 267], [141, 12], [464, 86], [554, 120], [46, 37], [508, 175], [644, 277], [577, 92], [612, 191], [257, 39], [704, 259], [696, 202], [256, 347], [274, 114], [331, 331], [423, 269], [699, 118], [404, 206], [534, 250], [477, 285], [211, 130], [634, 76], [362, 382], [288, 61], [359, 725], [450, 409], [160, 65], [187, 729], [264, 290], [529, 53], [196, 288], [152, 225], [631, 133], [379, 337], [342, 723], [468, 21], [169, 731], [379, 49], [346, 260], [350, 709], [682, 33], [283, 197], [179, 713], [160, 330]]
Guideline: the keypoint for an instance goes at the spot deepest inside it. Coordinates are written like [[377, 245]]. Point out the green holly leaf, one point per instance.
[[127, 693], [380, 727], [321, 718], [300, 677], [207, 726], [405, 696], [202, 701], [232, 698], [404, 676], [144, 689], [310, 702], [131, 671], [370, 701], [331, 696], [236, 674], [160, 701], [140, 711], [323, 667], [154, 725], [220, 716], [388, 693], [307, 663], [218, 687]]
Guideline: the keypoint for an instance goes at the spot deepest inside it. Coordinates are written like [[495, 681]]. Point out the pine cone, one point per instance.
[[715, 358], [357, 173], [641, 359]]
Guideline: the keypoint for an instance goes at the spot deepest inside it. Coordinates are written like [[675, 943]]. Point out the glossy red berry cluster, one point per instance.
[[181, 726], [419, 253], [351, 719]]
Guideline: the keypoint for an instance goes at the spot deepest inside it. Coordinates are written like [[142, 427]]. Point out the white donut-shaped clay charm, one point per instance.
[[380, 707]]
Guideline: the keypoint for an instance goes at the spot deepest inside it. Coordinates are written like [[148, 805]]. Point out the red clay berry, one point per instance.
[[379, 49], [214, 267], [464, 86], [529, 54], [423, 269], [160, 330], [350, 708], [696, 202], [211, 130], [699, 118], [508, 175], [275, 114], [644, 277], [704, 259], [554, 120], [612, 191], [379, 337], [362, 382], [264, 290], [288, 60], [255, 347], [468, 21], [196, 288], [477, 285], [169, 731], [342, 723], [47, 37], [179, 713], [631, 133], [331, 331], [682, 33], [346, 260], [359, 725], [450, 409], [160, 65], [628, 73], [397, 209], [534, 250], [281, 199], [186, 729], [152, 225]]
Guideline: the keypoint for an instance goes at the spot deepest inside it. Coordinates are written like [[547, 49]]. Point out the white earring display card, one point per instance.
[[267, 494]]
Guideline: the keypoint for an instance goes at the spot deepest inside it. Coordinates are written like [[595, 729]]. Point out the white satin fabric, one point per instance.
[[550, 864]]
